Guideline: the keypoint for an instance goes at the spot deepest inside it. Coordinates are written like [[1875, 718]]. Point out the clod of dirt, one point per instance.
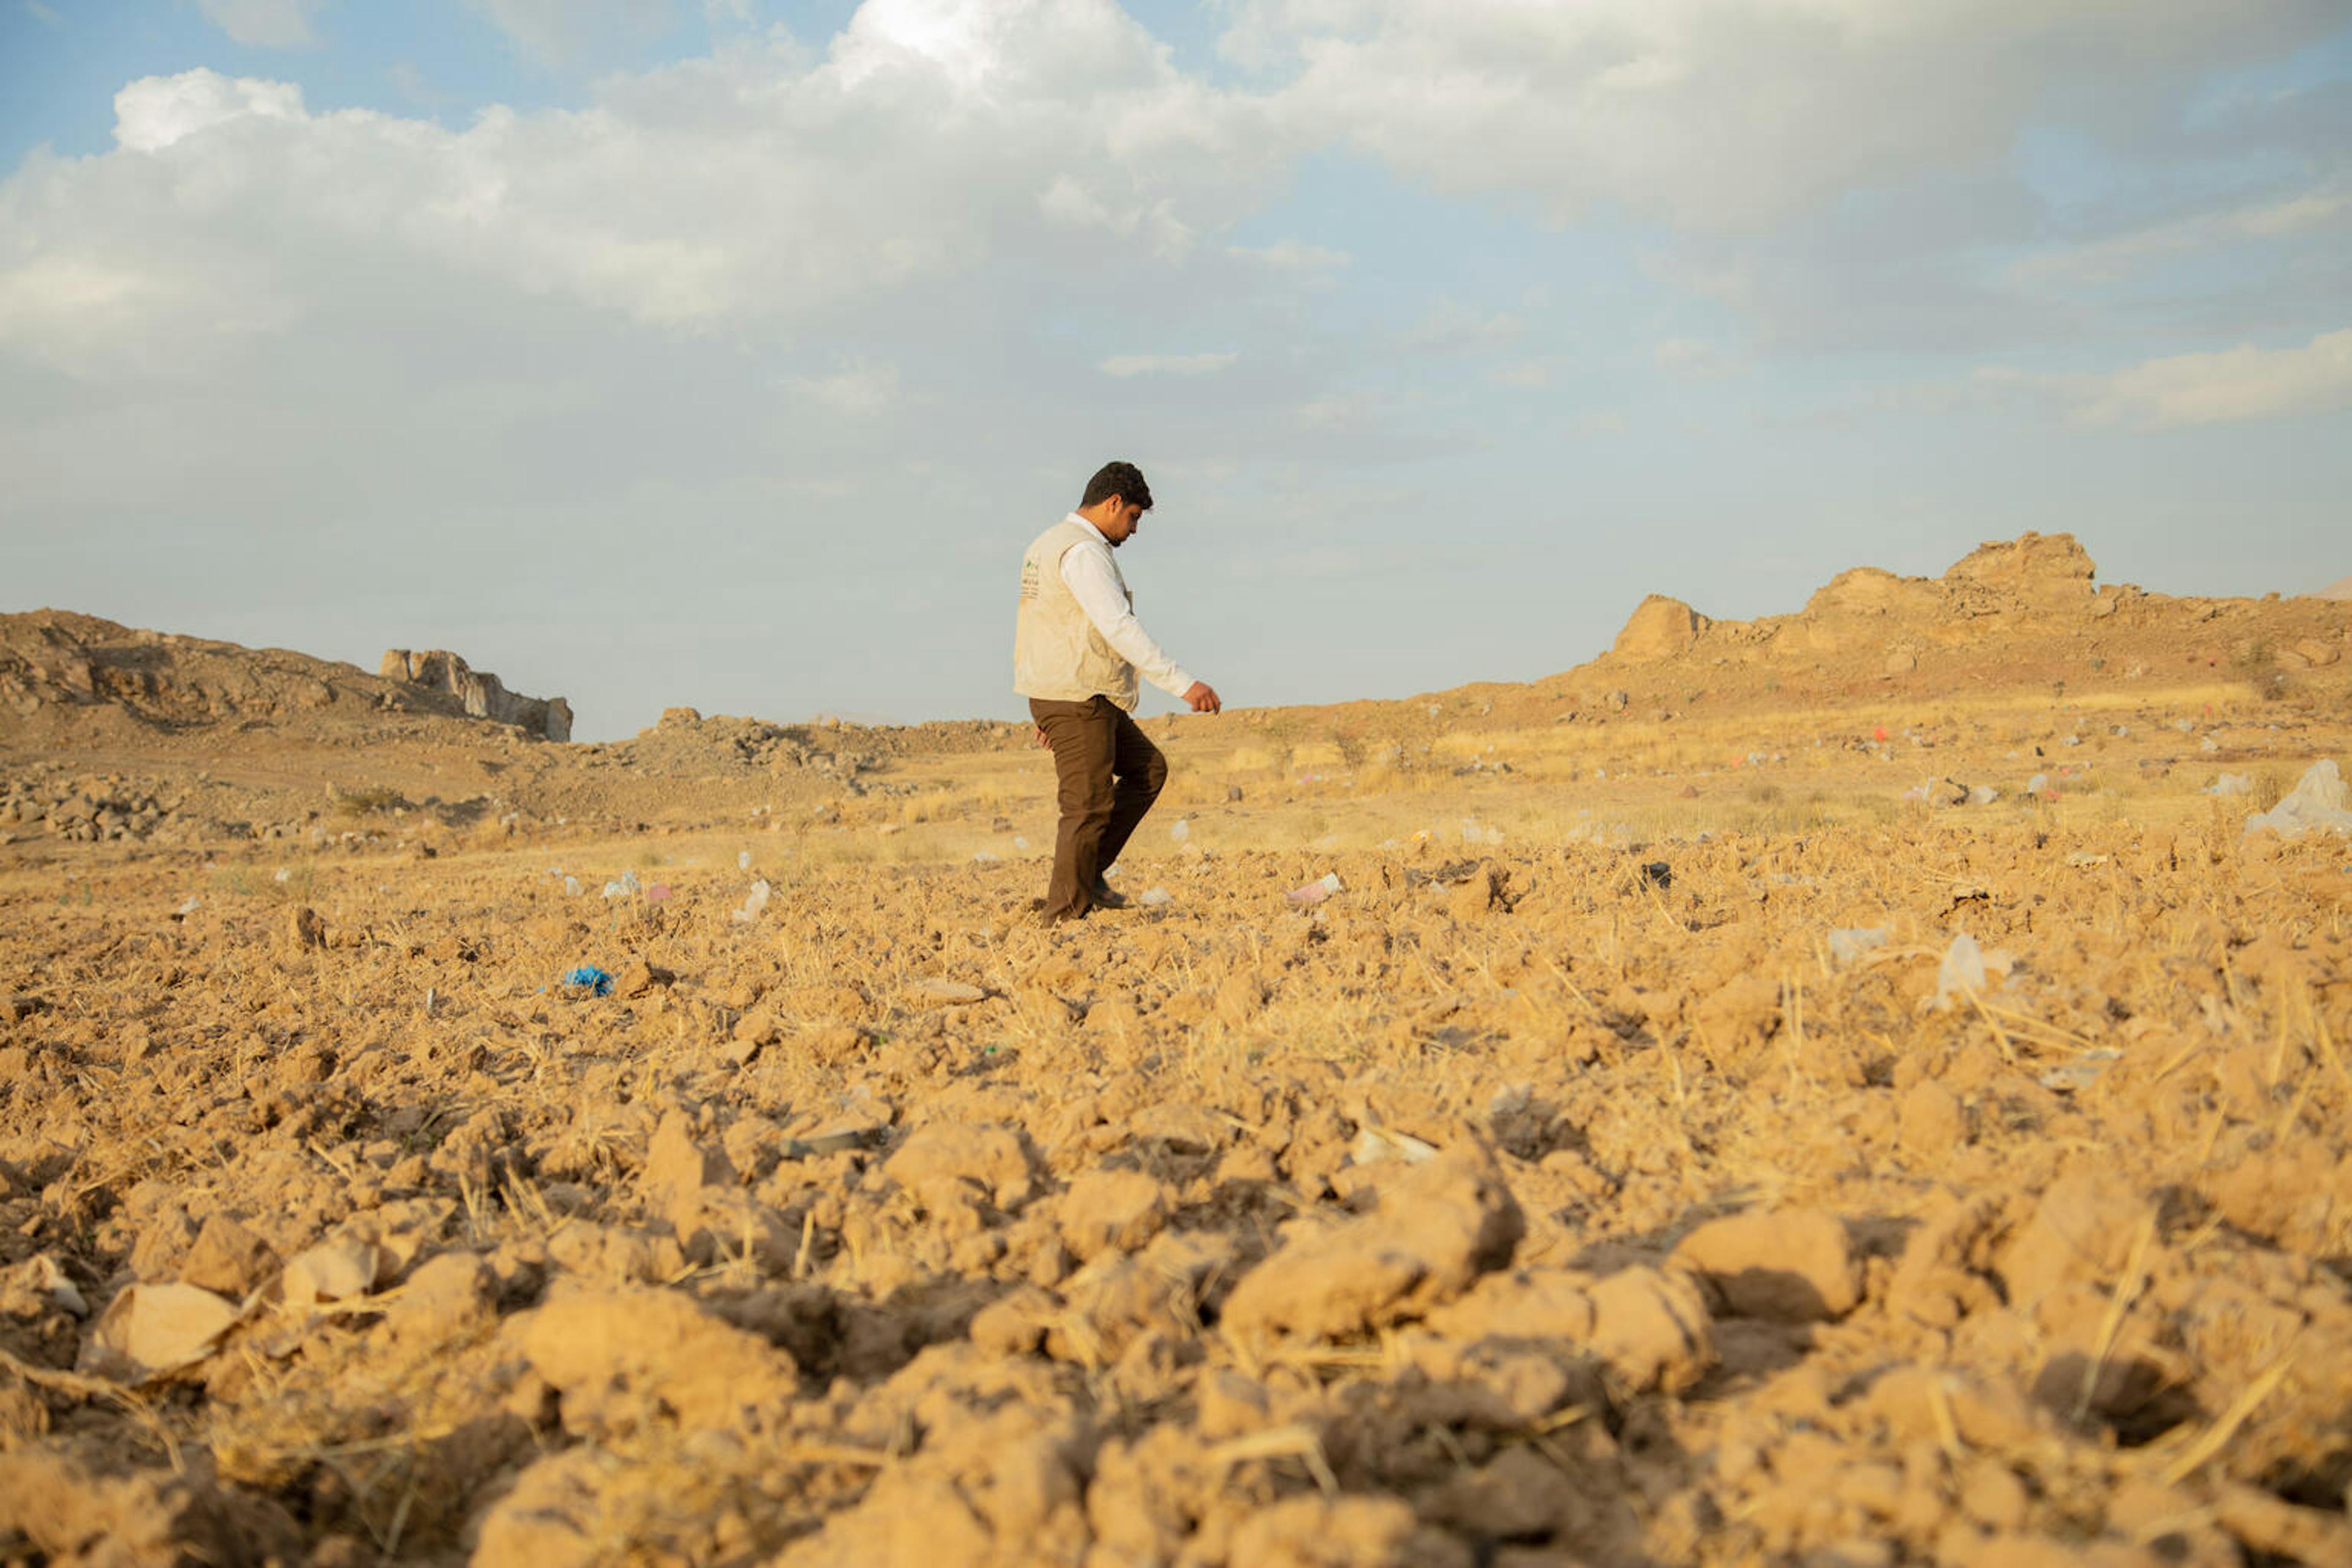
[[228, 1258], [637, 978], [2082, 1231], [151, 1519], [150, 1330], [629, 1359], [446, 1298], [1342, 1533], [1485, 892], [1652, 1329], [1113, 1210], [340, 1268], [1930, 1119], [945, 1161], [1436, 1228], [1794, 1266]]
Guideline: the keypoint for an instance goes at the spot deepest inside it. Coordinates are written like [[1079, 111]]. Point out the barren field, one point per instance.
[[1748, 1098]]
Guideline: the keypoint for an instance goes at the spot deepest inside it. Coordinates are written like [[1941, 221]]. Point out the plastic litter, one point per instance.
[[2037, 784], [2320, 800], [2081, 1072], [1180, 830], [1967, 971], [627, 886], [2230, 784], [657, 893], [590, 978], [571, 887], [190, 907], [753, 901], [1849, 942], [742, 860], [1374, 1144], [1316, 891], [1152, 898], [1983, 795]]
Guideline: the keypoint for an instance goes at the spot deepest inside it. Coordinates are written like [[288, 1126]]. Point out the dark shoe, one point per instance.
[[1102, 897]]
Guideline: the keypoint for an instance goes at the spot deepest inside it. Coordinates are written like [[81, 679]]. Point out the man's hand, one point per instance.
[[1044, 742], [1204, 698]]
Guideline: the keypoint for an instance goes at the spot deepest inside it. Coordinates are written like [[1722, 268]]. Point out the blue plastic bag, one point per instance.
[[594, 979]]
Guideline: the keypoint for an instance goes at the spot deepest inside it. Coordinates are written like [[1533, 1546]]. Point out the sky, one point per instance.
[[730, 352]]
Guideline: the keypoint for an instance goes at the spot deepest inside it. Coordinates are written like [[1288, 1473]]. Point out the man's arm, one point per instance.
[[1096, 585]]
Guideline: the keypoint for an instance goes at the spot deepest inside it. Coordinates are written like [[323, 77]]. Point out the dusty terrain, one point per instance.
[[1840, 1089]]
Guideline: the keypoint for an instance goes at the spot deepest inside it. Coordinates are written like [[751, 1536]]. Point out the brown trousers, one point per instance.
[[1094, 743]]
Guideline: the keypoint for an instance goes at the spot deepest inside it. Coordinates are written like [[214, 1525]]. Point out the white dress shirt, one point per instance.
[[1094, 581]]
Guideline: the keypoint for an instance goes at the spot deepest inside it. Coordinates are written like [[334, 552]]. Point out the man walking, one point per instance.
[[1077, 650]]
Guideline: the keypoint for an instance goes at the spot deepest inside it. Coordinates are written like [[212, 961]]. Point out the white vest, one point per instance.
[[1057, 654]]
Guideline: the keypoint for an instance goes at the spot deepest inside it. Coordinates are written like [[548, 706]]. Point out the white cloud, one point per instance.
[[1727, 114], [764, 188], [557, 32], [856, 388], [155, 112], [269, 23], [2232, 386], [1293, 256], [1692, 358], [2319, 210], [42, 14], [1124, 365], [1452, 327]]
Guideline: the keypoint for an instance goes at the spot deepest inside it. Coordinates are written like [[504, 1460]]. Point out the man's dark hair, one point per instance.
[[1124, 480]]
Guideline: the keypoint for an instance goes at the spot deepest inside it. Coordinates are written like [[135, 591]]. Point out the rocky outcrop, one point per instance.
[[2029, 566], [1893, 618], [1661, 627], [478, 692], [55, 662]]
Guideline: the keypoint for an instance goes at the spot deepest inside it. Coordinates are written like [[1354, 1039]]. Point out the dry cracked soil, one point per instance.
[[1699, 1128]]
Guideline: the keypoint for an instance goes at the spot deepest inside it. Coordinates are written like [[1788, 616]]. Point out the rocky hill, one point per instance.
[[65, 676], [2036, 596]]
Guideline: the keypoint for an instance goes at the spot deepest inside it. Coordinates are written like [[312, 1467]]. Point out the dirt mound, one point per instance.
[[2339, 589]]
